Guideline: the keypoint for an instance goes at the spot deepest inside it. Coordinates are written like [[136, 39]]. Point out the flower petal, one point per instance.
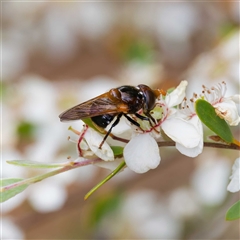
[[142, 153], [228, 111], [190, 152], [235, 98], [186, 132], [94, 139], [234, 185], [177, 95]]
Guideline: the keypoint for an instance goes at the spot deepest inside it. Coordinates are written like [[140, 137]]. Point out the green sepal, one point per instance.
[[233, 212], [206, 113]]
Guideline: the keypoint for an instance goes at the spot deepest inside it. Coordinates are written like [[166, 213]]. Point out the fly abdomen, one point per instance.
[[103, 120]]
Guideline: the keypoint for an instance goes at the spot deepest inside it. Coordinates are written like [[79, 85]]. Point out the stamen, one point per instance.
[[224, 88], [74, 130], [70, 140], [215, 94]]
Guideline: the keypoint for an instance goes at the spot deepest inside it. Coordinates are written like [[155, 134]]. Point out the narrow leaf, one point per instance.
[[233, 212], [89, 122], [206, 113], [9, 193], [113, 173], [35, 164]]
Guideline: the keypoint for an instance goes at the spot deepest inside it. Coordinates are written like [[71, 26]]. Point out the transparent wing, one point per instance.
[[97, 106]]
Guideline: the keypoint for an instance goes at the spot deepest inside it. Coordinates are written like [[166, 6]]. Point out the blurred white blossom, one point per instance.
[[14, 59], [210, 179], [59, 41], [218, 65], [9, 230], [183, 203], [234, 185], [47, 197], [143, 214]]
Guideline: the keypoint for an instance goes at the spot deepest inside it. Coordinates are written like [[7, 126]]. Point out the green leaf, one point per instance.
[[233, 212], [113, 173], [117, 150], [89, 122], [35, 164], [9, 193], [206, 113]]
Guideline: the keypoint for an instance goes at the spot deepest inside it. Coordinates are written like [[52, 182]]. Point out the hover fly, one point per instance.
[[122, 101]]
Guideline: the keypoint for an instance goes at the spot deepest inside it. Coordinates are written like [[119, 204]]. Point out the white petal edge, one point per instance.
[[177, 95], [235, 98], [234, 185], [187, 133], [190, 152], [142, 153], [94, 140], [228, 111]]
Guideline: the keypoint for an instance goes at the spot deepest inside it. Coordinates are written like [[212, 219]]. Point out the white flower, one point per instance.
[[228, 111], [94, 139], [225, 107], [183, 126], [142, 153], [89, 142], [234, 185], [187, 133]]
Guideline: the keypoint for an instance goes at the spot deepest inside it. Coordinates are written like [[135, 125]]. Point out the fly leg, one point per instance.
[[115, 123], [148, 118], [133, 121]]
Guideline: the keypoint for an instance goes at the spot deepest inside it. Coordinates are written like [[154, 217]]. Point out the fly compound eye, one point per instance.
[[149, 97], [140, 94]]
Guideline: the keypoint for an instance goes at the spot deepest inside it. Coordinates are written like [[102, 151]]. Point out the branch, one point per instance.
[[206, 144]]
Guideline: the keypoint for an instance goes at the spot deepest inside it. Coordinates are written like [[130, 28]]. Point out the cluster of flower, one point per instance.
[[175, 117]]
